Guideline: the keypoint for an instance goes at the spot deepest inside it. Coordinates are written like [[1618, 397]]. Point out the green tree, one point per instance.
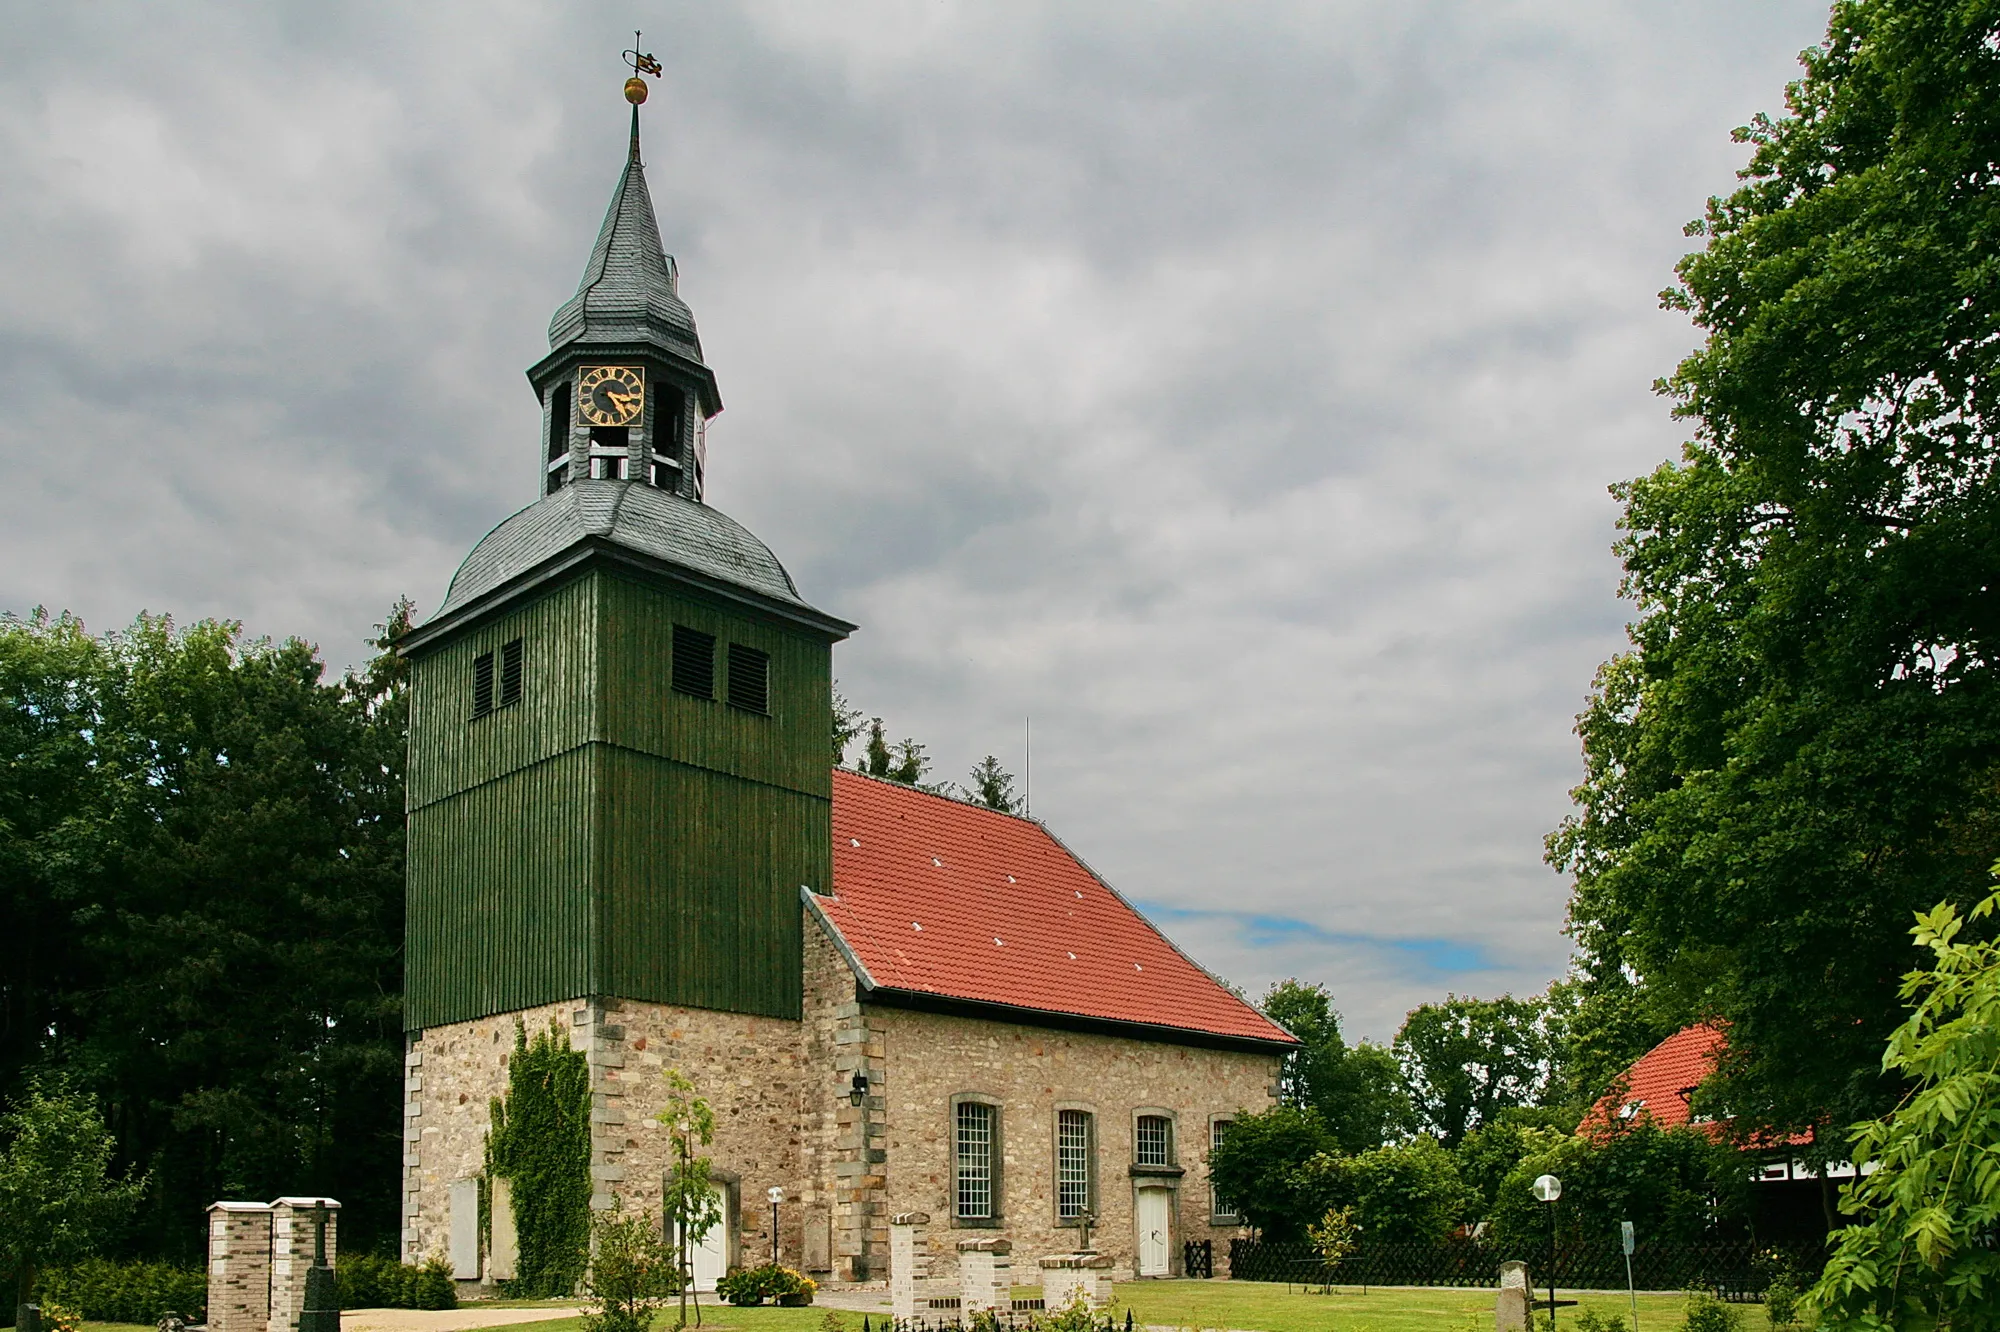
[[1489, 1154], [1799, 750], [1357, 1089], [1920, 1254], [846, 725], [904, 761], [201, 840], [59, 1200], [540, 1141], [633, 1272], [691, 1207], [1599, 1022], [1465, 1060], [993, 786], [1408, 1193], [1262, 1166], [1678, 1186]]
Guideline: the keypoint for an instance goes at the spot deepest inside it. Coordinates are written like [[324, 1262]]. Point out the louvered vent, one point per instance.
[[694, 662], [510, 673], [749, 679], [482, 684]]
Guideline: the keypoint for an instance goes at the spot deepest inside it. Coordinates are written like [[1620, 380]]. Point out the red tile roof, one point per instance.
[[935, 897], [1658, 1086]]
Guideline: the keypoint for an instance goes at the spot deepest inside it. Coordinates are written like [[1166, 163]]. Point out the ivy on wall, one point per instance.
[[541, 1142]]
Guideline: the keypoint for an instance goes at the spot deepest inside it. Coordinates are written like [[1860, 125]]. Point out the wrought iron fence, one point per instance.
[[1198, 1258], [1735, 1270]]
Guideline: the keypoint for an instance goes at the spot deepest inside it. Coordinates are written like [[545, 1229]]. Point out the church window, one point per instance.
[[608, 469], [1153, 1141], [666, 474], [559, 422], [558, 475], [694, 662], [749, 679], [482, 684], [1073, 1172], [510, 672], [977, 1132], [1220, 1207]]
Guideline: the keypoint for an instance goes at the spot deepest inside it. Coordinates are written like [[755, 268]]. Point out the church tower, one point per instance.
[[620, 716]]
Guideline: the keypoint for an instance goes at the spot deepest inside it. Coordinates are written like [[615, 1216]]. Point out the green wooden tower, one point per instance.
[[619, 767]]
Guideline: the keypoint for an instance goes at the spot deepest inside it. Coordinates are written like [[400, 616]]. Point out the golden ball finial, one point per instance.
[[635, 90]]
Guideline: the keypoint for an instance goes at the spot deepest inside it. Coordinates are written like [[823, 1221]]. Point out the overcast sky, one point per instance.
[[1232, 387]]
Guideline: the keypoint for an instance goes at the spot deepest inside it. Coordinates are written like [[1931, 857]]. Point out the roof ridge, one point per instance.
[[1029, 819]]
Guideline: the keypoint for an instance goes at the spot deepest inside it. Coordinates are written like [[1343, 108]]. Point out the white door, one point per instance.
[[1155, 1224], [710, 1258]]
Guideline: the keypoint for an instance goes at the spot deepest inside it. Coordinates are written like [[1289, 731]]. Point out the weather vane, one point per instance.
[[641, 63]]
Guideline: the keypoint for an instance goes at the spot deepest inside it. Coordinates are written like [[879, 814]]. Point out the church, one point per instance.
[[623, 818]]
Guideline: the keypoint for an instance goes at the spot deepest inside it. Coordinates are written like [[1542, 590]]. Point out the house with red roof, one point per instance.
[[1793, 1199]]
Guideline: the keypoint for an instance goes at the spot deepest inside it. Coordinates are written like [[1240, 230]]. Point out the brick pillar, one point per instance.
[[860, 1166], [239, 1267], [1082, 1276], [413, 1142], [292, 1254], [985, 1275], [909, 1265]]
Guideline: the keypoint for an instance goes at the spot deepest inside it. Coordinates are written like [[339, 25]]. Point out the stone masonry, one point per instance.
[[784, 1093], [747, 1067]]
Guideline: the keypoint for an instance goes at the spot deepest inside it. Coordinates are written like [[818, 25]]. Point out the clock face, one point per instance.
[[611, 395]]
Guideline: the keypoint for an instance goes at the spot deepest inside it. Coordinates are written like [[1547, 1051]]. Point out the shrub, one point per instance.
[[58, 1318], [1781, 1302], [632, 1272], [1705, 1313], [366, 1281], [104, 1291], [1592, 1321], [753, 1285]]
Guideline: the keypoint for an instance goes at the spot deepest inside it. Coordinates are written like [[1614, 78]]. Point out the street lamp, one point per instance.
[[1547, 1189], [776, 1195]]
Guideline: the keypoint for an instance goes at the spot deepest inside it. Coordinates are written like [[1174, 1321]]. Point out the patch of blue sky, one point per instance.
[[1262, 930]]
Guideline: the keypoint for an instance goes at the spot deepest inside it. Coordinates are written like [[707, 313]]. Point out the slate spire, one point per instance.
[[630, 288]]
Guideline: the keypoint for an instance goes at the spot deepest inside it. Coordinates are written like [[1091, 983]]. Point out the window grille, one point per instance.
[[1154, 1141], [694, 662], [749, 679], [1218, 1129], [482, 684], [510, 672], [1072, 1164], [975, 1161]]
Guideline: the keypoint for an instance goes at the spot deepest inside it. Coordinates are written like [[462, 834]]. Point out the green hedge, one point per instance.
[[368, 1282], [104, 1291]]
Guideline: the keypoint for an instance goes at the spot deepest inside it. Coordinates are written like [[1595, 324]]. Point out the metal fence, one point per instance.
[[1735, 1270]]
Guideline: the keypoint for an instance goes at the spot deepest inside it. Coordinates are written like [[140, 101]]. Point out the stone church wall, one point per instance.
[[749, 1069], [1034, 1072]]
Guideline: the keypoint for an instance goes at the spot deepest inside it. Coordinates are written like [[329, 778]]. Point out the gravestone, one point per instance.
[[1512, 1305]]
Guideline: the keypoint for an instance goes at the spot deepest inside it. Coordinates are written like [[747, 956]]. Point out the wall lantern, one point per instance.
[[858, 1095]]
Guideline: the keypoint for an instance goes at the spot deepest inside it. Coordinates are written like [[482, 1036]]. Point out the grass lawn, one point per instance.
[[1255, 1306], [1264, 1306]]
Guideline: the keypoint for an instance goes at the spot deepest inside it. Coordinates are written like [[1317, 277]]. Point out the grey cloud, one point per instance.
[[1232, 388]]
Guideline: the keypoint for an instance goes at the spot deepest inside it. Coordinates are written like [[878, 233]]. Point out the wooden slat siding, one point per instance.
[[449, 752], [606, 835], [790, 747], [499, 901], [701, 885]]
